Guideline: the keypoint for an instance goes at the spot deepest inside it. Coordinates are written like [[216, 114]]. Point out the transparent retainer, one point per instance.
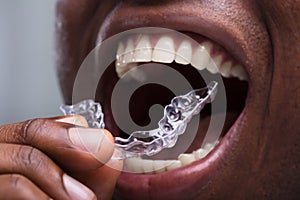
[[176, 117]]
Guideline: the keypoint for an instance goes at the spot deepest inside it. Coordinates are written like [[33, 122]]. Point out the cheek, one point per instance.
[[77, 24], [283, 19], [281, 127], [72, 20]]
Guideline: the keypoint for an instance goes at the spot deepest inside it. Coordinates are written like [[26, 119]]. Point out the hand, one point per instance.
[[36, 155]]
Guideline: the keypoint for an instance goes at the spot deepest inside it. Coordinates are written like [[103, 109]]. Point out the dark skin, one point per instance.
[[264, 157], [40, 153]]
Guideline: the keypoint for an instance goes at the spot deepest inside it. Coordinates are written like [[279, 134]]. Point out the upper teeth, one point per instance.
[[164, 50]]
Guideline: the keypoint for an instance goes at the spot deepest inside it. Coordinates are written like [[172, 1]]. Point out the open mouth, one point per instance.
[[187, 55]]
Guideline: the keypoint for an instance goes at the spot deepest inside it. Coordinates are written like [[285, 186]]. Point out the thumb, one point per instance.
[[72, 147]]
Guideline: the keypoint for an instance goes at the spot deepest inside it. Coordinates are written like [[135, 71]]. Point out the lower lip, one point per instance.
[[179, 183]]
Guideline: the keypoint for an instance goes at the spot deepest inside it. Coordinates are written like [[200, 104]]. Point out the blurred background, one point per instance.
[[28, 85]]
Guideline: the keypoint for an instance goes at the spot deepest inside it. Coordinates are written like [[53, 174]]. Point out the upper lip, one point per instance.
[[124, 18]]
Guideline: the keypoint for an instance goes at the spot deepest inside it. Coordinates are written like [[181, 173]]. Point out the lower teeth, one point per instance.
[[139, 165]]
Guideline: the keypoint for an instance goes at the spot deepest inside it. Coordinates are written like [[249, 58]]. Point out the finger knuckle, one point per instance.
[[11, 133], [20, 186], [29, 157], [32, 129], [17, 181]]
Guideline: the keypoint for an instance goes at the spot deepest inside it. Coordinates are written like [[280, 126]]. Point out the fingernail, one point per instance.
[[77, 120], [77, 190], [98, 142]]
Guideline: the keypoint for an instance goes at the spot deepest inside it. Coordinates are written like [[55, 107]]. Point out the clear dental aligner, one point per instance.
[[176, 116], [92, 111]]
